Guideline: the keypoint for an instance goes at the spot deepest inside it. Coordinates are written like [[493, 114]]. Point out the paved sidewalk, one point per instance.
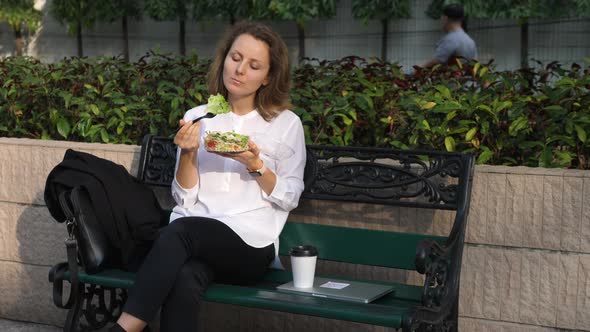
[[15, 326]]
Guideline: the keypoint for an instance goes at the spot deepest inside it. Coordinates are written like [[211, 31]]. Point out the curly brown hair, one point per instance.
[[272, 98]]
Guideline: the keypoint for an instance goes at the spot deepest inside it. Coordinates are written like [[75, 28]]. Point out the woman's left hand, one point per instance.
[[249, 158]]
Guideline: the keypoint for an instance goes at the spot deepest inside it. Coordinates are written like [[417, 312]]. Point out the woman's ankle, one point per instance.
[[130, 323]]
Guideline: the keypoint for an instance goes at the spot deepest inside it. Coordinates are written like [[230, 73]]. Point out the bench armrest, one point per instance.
[[441, 266]]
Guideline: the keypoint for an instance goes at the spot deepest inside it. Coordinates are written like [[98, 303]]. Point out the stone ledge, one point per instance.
[[69, 144], [529, 286]]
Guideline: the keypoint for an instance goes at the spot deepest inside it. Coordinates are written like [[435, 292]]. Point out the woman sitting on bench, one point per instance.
[[231, 207]]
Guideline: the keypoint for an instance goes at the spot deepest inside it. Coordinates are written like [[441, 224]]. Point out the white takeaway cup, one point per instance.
[[303, 260]]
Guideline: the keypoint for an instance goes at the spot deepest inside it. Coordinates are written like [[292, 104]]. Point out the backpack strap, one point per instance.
[[57, 274]]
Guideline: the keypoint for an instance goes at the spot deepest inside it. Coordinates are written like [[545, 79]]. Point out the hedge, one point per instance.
[[533, 117]]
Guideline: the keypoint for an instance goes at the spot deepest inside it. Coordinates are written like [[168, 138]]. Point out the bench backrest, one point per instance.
[[421, 179]]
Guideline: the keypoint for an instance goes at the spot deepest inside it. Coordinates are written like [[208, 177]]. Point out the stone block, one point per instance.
[[494, 277], [583, 305], [529, 287], [552, 200], [567, 290], [477, 223], [571, 213], [468, 324], [514, 226], [408, 217], [548, 288], [471, 297], [15, 173], [496, 208], [532, 211], [29, 235], [26, 294], [585, 223], [44, 159], [443, 222], [510, 291]]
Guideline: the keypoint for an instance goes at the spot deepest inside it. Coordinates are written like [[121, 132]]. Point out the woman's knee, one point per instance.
[[192, 280], [176, 228]]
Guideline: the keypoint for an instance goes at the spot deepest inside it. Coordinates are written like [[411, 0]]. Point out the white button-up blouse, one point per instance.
[[227, 192]]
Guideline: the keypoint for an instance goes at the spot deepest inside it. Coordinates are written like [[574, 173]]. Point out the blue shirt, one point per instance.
[[455, 44]]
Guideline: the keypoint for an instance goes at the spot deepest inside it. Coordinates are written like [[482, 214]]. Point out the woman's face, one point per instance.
[[246, 67]]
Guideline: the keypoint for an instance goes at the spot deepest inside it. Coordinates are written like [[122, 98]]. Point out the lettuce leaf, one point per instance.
[[217, 104]]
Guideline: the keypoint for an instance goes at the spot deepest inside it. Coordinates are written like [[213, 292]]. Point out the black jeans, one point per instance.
[[188, 255]]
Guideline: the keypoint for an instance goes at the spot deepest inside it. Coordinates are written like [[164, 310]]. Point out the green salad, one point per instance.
[[217, 104], [226, 142]]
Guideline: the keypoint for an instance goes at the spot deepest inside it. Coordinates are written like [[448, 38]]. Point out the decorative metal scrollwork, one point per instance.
[[161, 161], [383, 176], [99, 309]]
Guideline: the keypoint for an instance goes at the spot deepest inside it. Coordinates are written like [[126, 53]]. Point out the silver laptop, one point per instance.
[[354, 291]]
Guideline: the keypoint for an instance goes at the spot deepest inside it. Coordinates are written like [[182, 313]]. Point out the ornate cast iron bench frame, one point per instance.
[[416, 179]]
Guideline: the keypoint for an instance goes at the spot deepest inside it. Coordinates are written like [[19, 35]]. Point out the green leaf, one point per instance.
[[546, 158], [581, 133], [450, 143], [470, 134], [428, 105], [553, 108], [104, 135], [444, 91], [518, 125], [120, 127], [94, 109], [484, 156], [564, 158], [63, 127], [174, 104], [451, 116], [529, 144]]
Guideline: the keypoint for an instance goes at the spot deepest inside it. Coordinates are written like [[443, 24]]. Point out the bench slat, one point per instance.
[[386, 311], [390, 315], [355, 245]]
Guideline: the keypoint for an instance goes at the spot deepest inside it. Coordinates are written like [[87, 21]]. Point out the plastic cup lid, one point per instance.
[[303, 251]]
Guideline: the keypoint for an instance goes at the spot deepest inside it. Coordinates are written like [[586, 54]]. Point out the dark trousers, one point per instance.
[[187, 256]]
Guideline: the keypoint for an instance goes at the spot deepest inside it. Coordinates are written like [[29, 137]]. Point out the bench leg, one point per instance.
[[72, 322], [448, 324], [91, 303], [97, 311]]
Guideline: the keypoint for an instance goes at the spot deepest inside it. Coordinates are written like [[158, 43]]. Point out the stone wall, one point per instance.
[[526, 262]]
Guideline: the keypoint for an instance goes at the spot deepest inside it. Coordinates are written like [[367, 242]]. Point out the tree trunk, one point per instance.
[[19, 41], [182, 37], [232, 19], [79, 38], [125, 39], [524, 43], [384, 37], [301, 38]]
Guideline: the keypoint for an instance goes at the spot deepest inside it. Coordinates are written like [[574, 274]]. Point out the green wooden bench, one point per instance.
[[414, 179]]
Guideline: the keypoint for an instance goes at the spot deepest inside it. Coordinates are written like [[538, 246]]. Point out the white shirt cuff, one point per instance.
[[280, 195], [184, 197]]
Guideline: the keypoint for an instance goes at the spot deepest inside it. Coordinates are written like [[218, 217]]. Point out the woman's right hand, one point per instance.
[[188, 137]]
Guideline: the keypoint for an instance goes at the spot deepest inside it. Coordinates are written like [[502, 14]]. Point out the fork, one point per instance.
[[208, 115]]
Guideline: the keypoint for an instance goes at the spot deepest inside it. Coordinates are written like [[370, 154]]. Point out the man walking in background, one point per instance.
[[456, 43]]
